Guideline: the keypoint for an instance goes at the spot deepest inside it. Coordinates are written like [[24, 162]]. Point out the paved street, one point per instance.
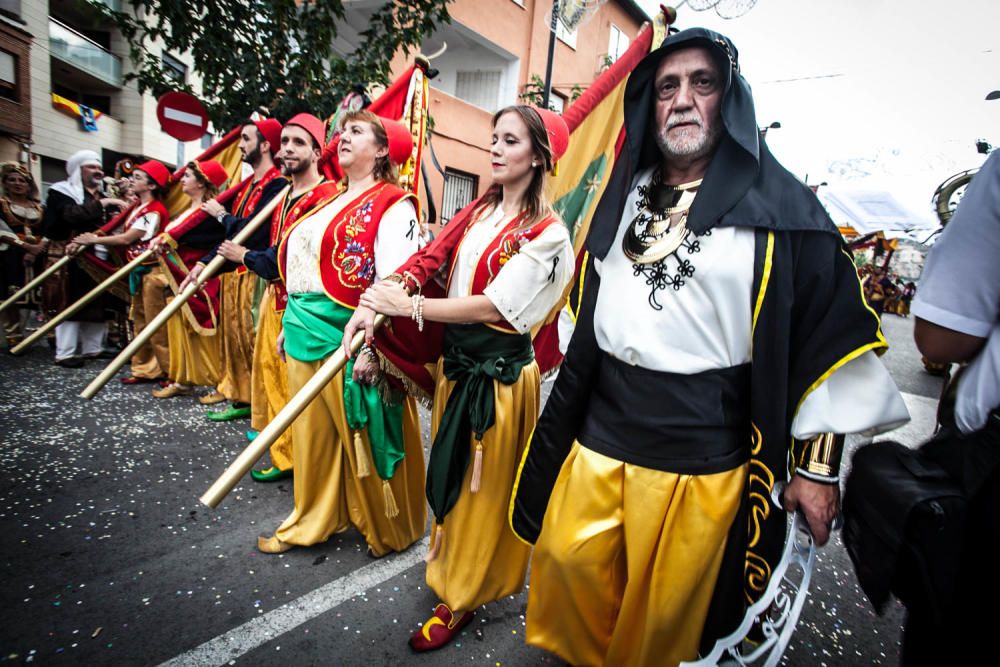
[[109, 558]]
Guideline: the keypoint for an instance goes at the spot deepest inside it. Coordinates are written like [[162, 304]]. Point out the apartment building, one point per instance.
[[68, 92]]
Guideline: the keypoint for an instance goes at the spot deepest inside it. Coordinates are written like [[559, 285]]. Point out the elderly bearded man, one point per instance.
[[722, 341]]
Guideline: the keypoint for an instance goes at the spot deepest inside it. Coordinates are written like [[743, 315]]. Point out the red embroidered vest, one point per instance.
[[139, 247], [347, 249], [250, 197], [499, 251], [284, 218]]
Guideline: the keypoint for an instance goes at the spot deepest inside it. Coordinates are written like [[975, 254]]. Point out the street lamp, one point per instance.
[[773, 126], [995, 95]]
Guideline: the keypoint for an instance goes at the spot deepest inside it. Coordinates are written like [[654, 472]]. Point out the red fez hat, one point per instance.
[[312, 125], [156, 171], [271, 129], [214, 172], [557, 130], [400, 140]]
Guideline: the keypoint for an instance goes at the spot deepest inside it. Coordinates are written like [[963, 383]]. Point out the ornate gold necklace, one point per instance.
[[660, 226]]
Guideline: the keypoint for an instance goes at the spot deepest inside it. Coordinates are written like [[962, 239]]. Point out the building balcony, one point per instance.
[[72, 48]]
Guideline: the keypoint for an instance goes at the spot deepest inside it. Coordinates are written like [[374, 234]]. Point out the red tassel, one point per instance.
[[477, 469], [436, 538]]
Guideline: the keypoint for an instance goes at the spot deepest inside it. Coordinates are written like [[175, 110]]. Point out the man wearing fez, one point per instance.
[[721, 348], [302, 142], [259, 142]]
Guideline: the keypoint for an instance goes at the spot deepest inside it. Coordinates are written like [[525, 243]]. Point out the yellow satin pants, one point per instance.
[[152, 361], [194, 358], [269, 380], [481, 559], [329, 495], [626, 562], [236, 335]]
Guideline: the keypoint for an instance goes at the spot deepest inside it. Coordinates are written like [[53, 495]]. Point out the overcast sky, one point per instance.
[[882, 94]]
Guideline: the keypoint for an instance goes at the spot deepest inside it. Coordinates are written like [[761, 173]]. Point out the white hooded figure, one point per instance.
[[74, 338]]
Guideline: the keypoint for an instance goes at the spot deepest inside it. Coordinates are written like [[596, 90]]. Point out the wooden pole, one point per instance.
[[249, 456], [38, 280], [84, 300], [157, 322]]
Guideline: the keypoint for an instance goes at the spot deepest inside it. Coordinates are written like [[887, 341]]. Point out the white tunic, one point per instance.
[[397, 238], [530, 284], [706, 323]]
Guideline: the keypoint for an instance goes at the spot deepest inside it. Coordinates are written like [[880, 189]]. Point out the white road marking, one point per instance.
[[182, 116], [257, 632]]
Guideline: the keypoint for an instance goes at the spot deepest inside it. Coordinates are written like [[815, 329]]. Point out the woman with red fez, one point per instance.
[[508, 259], [194, 347], [301, 148], [147, 281], [358, 456]]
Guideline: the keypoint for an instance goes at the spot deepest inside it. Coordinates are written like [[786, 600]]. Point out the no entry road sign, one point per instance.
[[182, 116]]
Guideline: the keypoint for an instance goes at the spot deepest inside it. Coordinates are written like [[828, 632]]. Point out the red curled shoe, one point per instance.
[[439, 629]]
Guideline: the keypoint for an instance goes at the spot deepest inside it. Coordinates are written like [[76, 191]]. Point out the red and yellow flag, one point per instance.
[[596, 123]]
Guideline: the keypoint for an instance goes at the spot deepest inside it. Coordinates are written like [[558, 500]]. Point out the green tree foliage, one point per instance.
[[272, 54]]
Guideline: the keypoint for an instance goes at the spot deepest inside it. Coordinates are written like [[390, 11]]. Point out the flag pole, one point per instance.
[[83, 301], [299, 402]]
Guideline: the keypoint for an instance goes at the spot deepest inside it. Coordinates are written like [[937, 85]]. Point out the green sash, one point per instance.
[[135, 278], [474, 356], [314, 328]]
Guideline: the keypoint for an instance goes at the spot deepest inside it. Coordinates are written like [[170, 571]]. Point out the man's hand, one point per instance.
[[234, 252], [112, 201], [191, 276], [73, 248], [213, 208], [819, 504], [363, 318]]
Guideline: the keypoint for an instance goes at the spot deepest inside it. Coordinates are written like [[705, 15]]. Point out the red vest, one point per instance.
[[139, 247], [284, 218], [347, 250], [506, 244], [248, 199]]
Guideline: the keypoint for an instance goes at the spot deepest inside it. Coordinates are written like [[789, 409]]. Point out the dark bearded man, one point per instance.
[[721, 345]]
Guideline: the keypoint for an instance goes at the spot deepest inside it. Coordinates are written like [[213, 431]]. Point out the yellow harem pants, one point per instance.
[[329, 495], [152, 361], [269, 380], [626, 563], [481, 559], [194, 358], [236, 335]]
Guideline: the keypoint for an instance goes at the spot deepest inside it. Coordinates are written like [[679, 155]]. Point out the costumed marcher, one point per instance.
[[241, 289], [301, 147], [147, 281], [22, 248], [509, 260], [75, 206], [358, 455], [958, 321], [720, 343], [194, 345]]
